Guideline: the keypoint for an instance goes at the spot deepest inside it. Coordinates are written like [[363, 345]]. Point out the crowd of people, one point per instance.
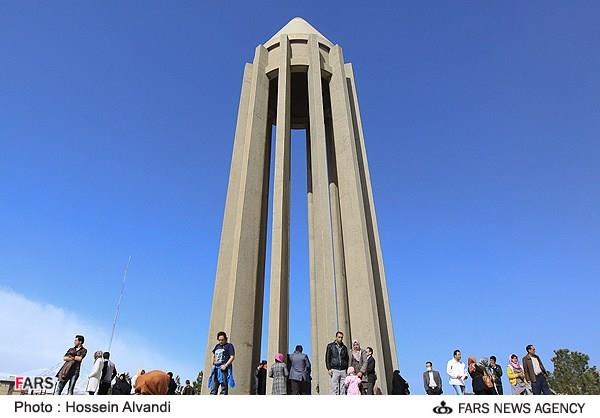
[[528, 377], [351, 372], [104, 379]]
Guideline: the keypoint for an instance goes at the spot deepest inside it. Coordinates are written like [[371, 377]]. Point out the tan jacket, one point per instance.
[[528, 367]]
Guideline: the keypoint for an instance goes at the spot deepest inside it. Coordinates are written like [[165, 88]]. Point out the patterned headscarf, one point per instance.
[[279, 358], [514, 363]]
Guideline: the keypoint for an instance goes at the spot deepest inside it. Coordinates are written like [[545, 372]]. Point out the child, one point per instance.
[[352, 382]]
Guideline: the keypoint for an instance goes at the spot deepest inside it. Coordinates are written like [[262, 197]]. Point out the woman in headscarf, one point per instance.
[[516, 376], [95, 374], [122, 385], [476, 372], [279, 373], [399, 385], [358, 360]]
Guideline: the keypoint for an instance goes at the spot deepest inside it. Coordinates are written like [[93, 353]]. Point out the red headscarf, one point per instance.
[[472, 362]]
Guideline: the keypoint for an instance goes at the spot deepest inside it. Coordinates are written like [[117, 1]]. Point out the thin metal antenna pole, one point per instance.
[[112, 334]]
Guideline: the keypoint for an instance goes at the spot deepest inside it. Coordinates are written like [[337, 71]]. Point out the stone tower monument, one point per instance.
[[298, 80]]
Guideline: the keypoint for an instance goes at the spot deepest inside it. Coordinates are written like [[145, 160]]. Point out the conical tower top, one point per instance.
[[298, 26]]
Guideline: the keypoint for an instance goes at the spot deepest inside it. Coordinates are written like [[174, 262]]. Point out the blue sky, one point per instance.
[[482, 126]]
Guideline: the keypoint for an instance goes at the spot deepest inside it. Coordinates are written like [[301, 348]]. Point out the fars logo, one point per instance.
[[35, 383], [442, 409]]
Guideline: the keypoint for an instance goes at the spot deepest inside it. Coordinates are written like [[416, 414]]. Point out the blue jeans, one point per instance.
[[224, 386], [61, 385], [459, 389], [540, 386]]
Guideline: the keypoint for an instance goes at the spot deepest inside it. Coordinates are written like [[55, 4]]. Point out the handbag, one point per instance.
[[487, 380], [64, 373]]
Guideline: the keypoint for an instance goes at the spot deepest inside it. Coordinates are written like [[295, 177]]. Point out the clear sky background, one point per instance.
[[482, 127]]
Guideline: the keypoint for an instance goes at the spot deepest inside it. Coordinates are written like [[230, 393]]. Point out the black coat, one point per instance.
[[260, 381], [332, 357], [371, 376], [479, 387], [188, 390], [172, 387], [121, 387], [399, 385]]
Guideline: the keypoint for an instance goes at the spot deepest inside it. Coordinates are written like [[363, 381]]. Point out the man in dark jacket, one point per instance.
[[188, 389], [69, 372], [432, 382], [336, 361], [535, 373], [109, 371], [370, 373], [497, 375]]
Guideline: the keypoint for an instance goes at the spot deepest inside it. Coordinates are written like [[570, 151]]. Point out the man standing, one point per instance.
[[535, 373], [497, 375], [299, 370], [69, 372], [457, 371], [188, 389], [336, 361], [371, 375], [109, 371], [223, 356], [432, 380]]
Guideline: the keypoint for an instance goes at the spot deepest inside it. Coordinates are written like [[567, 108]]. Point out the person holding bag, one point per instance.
[[69, 372]]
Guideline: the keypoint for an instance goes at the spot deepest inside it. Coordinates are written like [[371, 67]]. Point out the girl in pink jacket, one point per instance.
[[352, 382]]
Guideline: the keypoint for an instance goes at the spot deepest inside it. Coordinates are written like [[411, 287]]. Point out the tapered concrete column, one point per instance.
[[386, 325], [322, 233], [242, 253], [314, 317], [280, 237], [222, 287], [364, 312], [341, 288]]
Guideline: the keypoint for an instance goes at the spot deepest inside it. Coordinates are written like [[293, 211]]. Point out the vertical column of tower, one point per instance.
[[238, 311], [280, 237], [314, 316], [362, 300], [322, 250], [341, 288], [223, 276], [387, 331]]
